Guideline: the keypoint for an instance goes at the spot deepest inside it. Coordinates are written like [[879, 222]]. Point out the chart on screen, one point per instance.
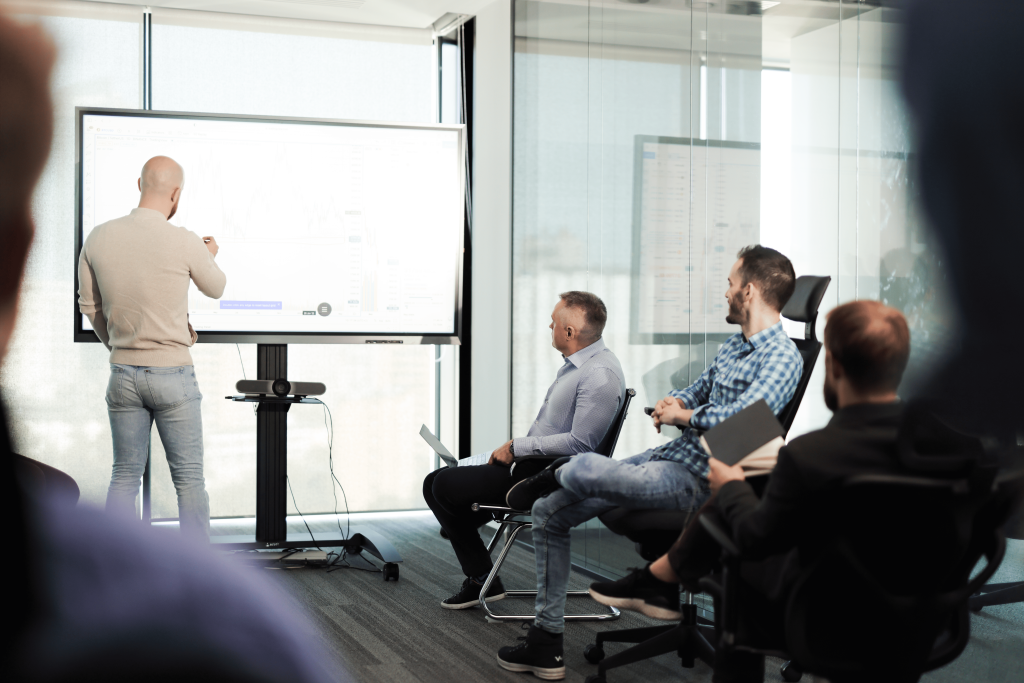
[[322, 228], [696, 203]]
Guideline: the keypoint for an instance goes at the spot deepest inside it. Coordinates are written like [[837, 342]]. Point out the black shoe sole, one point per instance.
[[473, 603], [548, 674], [508, 496], [637, 605]]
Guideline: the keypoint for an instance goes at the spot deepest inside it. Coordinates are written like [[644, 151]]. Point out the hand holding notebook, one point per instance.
[[751, 439]]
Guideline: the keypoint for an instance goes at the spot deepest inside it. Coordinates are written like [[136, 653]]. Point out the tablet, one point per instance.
[[438, 447]]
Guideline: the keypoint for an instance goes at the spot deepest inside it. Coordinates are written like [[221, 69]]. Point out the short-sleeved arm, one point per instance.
[[598, 396], [775, 382], [203, 269]]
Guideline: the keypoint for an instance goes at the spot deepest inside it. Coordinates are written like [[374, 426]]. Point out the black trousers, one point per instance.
[[451, 491]]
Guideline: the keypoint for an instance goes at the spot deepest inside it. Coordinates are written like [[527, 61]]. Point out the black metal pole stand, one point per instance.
[[271, 478], [271, 450]]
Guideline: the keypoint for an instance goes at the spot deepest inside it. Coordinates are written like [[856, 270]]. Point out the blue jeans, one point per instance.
[[593, 484], [135, 397]]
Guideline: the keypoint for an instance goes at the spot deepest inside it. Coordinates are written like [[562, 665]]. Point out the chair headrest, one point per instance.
[[803, 305]]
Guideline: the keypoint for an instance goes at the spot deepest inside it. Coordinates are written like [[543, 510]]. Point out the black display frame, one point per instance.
[[83, 335]]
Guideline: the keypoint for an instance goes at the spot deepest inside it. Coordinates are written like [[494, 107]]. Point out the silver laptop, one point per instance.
[[438, 447]]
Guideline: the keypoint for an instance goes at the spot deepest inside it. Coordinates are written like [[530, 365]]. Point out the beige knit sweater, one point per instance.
[[133, 278]]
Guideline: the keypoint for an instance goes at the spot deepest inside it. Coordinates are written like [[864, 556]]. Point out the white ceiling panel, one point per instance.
[[405, 13]]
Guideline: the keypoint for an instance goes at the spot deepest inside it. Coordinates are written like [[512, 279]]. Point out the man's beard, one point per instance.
[[735, 315], [831, 397]]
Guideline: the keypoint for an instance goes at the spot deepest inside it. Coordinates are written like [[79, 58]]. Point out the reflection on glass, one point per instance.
[[651, 141]]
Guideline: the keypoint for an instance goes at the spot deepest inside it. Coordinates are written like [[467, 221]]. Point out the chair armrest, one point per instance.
[[477, 507], [710, 586], [720, 535]]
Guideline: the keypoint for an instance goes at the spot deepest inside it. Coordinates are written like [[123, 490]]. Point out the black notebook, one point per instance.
[[753, 434]]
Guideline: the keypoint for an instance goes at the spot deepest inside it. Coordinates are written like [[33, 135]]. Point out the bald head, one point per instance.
[[160, 185]]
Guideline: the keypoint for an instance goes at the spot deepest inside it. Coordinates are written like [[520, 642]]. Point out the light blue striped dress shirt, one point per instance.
[[579, 406]]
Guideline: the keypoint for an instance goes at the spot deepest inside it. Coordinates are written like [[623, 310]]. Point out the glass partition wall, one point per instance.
[[209, 62], [653, 140]]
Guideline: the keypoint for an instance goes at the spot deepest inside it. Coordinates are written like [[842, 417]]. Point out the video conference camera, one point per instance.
[[279, 387]]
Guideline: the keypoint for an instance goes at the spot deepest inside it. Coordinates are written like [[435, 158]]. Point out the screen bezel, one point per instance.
[[83, 335]]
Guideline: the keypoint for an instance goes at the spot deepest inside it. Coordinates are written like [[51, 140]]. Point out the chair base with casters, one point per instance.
[[690, 639], [512, 523], [994, 594]]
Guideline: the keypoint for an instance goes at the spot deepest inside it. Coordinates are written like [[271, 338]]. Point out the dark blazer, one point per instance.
[[859, 439]]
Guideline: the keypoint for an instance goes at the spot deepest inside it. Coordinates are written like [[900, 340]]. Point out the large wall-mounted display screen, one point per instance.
[[329, 231], [695, 204]]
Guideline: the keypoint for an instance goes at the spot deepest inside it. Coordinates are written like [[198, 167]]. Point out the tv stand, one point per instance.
[[271, 472]]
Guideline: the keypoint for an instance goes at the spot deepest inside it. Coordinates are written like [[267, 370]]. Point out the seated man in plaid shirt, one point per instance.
[[761, 362]]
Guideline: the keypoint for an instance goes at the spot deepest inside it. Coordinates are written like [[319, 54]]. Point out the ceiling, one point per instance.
[[405, 13]]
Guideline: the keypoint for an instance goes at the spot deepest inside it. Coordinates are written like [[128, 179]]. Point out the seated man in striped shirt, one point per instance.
[[759, 363], [577, 411]]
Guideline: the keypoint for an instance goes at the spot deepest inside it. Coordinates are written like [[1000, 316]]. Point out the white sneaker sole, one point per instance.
[[473, 603], [540, 672], [637, 605]]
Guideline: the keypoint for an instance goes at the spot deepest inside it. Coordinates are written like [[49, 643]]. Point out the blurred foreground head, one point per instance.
[[963, 78], [26, 126]]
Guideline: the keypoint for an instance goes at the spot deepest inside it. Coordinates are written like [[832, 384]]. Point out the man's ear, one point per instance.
[[832, 368], [139, 183], [175, 194]]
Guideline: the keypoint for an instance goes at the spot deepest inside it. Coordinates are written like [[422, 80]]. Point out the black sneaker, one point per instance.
[[469, 596], [640, 591], [540, 654], [523, 495]]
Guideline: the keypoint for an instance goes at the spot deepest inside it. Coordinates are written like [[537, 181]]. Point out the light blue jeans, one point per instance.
[[593, 484], [135, 397]]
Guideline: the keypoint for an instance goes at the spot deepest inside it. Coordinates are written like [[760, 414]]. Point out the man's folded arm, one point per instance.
[[776, 383], [765, 526], [598, 398]]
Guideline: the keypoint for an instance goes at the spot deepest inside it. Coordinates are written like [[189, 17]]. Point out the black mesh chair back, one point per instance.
[[611, 437], [905, 546], [803, 307]]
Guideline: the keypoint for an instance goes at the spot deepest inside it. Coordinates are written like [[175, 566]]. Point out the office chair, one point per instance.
[[994, 594], [906, 546], [654, 531], [514, 521]]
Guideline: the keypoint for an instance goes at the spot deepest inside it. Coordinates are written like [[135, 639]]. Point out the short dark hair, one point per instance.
[[871, 341], [595, 314], [770, 271]]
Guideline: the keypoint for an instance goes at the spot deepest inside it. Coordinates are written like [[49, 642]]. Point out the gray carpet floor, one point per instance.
[[379, 631]]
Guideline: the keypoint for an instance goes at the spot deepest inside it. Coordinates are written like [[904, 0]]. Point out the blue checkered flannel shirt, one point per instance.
[[768, 366]]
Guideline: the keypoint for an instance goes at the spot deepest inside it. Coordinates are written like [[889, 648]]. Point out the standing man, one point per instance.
[[577, 411], [759, 362], [133, 276]]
